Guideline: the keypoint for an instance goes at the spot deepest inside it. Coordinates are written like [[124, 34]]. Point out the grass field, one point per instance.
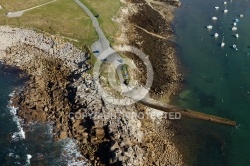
[[14, 5], [63, 17], [106, 10]]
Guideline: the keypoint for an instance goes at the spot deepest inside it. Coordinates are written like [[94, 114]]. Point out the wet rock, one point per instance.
[[63, 135]]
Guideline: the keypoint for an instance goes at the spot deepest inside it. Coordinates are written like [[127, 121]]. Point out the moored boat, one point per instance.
[[234, 28], [222, 42], [214, 18], [209, 27]]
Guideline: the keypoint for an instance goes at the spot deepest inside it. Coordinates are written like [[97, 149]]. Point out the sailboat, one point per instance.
[[225, 10], [209, 27], [222, 42], [234, 28], [214, 18]]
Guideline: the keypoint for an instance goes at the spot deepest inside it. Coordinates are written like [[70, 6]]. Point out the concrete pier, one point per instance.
[[186, 112]]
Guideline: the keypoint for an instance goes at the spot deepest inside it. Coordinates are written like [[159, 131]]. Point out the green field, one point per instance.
[[63, 17], [106, 10], [14, 5]]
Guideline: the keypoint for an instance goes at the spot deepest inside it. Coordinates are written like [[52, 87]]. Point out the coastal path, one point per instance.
[[21, 12], [105, 52]]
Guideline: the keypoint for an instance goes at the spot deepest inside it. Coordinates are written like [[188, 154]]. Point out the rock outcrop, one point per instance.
[[146, 25], [61, 92]]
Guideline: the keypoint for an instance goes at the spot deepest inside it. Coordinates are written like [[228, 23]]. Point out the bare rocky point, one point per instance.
[[60, 91]]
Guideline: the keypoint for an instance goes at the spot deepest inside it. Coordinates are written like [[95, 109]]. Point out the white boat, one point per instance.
[[225, 10], [216, 35], [234, 46], [234, 23], [241, 15], [236, 35], [234, 28], [222, 42], [216, 7], [237, 20], [225, 3], [214, 18], [209, 27]]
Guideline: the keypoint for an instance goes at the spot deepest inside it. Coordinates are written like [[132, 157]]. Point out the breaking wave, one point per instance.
[[71, 154], [20, 134]]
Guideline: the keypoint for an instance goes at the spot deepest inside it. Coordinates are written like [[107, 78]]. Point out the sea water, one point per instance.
[[29, 144], [217, 78]]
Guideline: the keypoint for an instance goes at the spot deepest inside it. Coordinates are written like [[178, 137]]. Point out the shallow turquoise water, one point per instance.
[[218, 79]]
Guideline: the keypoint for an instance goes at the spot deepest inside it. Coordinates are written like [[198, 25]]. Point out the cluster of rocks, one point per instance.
[[160, 148], [106, 126], [49, 45], [60, 91], [146, 25], [172, 2], [162, 53]]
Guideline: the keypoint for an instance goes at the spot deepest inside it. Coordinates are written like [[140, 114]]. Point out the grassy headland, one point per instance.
[[105, 11], [63, 17]]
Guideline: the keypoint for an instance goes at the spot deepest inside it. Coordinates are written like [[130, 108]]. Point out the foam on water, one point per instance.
[[28, 159], [20, 134], [72, 155], [69, 154], [50, 128], [13, 155]]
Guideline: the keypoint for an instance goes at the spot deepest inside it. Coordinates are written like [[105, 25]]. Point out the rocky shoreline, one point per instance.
[[60, 91], [147, 25], [59, 88]]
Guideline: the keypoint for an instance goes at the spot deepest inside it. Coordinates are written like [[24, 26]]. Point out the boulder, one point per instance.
[[63, 135]]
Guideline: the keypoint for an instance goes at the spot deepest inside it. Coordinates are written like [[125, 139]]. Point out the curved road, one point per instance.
[[106, 51], [103, 45]]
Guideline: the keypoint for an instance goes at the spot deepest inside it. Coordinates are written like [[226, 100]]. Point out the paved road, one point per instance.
[[103, 41], [20, 13], [103, 45], [109, 54]]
